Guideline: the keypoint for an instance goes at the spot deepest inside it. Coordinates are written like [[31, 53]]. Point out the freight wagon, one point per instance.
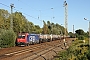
[[45, 37], [25, 39]]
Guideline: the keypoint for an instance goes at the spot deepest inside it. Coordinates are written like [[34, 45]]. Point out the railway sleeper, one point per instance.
[[45, 52], [42, 52], [47, 55]]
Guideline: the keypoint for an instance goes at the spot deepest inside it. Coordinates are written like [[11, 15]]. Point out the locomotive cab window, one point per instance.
[[21, 36]]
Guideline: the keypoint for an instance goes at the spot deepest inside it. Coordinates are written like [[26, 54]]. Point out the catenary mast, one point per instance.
[[66, 17]]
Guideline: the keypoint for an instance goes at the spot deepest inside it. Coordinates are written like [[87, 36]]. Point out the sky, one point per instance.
[[32, 9]]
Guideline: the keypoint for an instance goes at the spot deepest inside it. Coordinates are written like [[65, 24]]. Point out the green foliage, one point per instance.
[[45, 28], [81, 37], [49, 27], [86, 34], [71, 35], [21, 24], [80, 32], [77, 51], [7, 38], [4, 19], [88, 54]]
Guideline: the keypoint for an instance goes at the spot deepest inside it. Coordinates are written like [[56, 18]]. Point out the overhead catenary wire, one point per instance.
[[19, 11], [4, 5], [39, 16], [33, 9]]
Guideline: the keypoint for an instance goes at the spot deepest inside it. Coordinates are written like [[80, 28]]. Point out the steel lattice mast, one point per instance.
[[66, 17]]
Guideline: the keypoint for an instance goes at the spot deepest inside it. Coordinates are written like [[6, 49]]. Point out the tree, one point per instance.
[[71, 34], [45, 28], [38, 30], [80, 32], [4, 15], [86, 34]]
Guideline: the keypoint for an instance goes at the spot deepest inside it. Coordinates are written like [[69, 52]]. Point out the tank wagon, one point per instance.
[[25, 39]]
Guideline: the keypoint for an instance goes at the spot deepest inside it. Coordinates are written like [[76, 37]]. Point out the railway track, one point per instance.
[[33, 50]]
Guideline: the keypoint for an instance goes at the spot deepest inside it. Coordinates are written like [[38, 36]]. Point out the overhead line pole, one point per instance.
[[11, 21], [66, 17], [73, 29], [73, 32], [51, 22], [66, 24], [89, 30]]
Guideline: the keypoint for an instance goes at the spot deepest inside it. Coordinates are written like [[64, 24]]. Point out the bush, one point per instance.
[[88, 54], [7, 38], [77, 51], [81, 37]]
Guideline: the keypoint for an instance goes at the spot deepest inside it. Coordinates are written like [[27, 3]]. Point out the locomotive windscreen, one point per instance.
[[21, 36]]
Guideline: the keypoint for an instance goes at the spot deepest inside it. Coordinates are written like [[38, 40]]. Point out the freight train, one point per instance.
[[25, 39]]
